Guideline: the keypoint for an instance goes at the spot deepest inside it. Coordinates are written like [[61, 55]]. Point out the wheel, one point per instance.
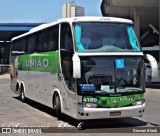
[[57, 106], [22, 95], [19, 93]]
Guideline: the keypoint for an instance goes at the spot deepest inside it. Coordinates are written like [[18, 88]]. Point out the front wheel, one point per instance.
[[57, 106], [22, 95]]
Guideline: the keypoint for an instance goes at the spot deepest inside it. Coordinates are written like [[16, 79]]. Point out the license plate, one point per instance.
[[116, 113]]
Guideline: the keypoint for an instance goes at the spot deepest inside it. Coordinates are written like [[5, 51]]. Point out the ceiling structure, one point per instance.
[[10, 30], [144, 13]]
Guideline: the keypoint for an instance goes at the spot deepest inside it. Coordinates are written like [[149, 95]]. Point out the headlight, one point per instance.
[[88, 105], [139, 102]]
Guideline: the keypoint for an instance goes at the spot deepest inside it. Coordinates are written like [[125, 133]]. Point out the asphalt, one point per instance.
[[34, 114]]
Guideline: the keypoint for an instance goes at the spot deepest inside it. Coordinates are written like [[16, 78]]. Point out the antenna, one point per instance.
[[73, 1]]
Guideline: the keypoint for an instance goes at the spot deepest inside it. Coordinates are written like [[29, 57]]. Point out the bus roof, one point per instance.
[[75, 19]]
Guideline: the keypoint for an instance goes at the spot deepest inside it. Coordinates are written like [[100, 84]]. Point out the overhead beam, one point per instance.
[[15, 28], [135, 3], [10, 30]]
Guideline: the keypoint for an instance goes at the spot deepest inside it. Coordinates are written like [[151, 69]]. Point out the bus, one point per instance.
[[83, 67]]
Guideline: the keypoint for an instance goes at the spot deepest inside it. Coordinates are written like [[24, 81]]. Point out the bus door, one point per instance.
[[66, 54]]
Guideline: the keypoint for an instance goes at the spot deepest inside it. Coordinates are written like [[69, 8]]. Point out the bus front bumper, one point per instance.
[[104, 113]]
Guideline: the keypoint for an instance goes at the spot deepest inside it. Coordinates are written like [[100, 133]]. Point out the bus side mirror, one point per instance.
[[76, 66]]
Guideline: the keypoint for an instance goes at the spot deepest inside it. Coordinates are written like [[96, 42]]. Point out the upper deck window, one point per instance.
[[105, 37]]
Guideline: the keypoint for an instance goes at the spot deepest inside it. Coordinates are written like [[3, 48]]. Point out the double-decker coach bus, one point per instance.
[[84, 67]]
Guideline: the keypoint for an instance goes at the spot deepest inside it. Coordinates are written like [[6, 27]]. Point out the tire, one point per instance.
[[22, 95], [57, 107], [19, 93]]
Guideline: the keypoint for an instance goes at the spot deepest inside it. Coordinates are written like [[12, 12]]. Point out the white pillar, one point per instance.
[[159, 42], [154, 67], [137, 21]]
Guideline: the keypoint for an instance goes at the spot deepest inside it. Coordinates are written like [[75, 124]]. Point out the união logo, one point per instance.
[[37, 63]]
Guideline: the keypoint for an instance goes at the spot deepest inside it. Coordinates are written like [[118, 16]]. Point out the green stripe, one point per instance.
[[42, 62], [107, 102]]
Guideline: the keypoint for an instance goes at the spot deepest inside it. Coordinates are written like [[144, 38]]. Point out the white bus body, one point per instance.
[[87, 83]]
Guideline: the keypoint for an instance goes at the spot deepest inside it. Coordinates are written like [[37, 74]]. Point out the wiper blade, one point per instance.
[[128, 89], [121, 87], [101, 92]]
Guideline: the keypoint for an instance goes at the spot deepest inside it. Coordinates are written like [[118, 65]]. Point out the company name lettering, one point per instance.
[[35, 63], [129, 99]]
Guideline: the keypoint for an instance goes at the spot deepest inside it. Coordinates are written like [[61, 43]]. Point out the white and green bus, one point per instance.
[[84, 67]]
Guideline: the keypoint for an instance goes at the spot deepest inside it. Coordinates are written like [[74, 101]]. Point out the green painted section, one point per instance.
[[42, 62], [108, 102]]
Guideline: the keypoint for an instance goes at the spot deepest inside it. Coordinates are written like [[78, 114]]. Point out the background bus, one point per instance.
[[86, 67], [152, 55]]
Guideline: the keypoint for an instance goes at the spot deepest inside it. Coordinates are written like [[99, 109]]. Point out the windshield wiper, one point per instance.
[[125, 89], [101, 92], [121, 87]]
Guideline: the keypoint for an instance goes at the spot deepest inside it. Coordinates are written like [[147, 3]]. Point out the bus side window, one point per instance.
[[67, 42], [40, 38], [53, 34], [42, 41], [31, 43], [45, 41], [15, 48], [23, 45]]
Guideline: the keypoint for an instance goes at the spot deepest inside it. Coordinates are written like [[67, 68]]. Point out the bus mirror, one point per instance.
[[76, 66]]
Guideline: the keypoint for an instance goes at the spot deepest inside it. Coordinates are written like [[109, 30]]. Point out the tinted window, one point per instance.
[[48, 39], [23, 45], [53, 34], [66, 37], [101, 37], [111, 74], [42, 41], [31, 44]]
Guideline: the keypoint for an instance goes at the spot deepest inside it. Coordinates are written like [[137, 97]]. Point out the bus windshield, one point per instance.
[[105, 37], [111, 75]]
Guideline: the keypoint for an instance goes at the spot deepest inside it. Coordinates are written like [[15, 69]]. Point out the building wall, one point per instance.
[[71, 10], [79, 11]]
